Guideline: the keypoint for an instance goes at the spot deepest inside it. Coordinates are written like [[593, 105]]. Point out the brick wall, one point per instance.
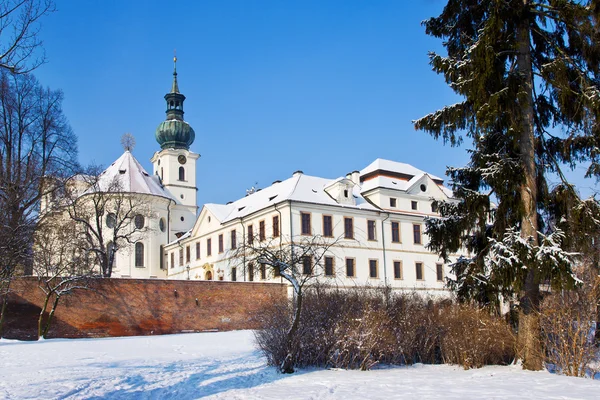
[[124, 307]]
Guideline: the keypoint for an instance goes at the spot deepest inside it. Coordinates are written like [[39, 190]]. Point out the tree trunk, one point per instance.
[[41, 318], [287, 366], [3, 312], [47, 327], [529, 330]]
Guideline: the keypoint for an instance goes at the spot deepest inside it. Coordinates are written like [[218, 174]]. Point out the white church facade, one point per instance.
[[375, 216]]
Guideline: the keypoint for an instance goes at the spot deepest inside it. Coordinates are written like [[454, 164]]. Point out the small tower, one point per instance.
[[175, 164]]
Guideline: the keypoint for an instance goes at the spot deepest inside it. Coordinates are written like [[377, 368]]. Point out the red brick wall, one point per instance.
[[124, 307]]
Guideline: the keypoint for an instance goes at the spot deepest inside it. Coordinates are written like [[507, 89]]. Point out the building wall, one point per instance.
[[359, 248], [123, 307]]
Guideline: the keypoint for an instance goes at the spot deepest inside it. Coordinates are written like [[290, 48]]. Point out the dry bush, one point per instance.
[[472, 337], [272, 338], [359, 328], [568, 321]]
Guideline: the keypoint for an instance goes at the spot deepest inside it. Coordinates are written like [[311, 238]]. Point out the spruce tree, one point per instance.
[[527, 73]]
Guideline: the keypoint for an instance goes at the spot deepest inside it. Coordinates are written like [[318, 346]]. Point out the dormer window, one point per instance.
[[346, 193], [392, 202]]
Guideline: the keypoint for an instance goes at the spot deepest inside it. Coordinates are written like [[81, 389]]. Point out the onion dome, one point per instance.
[[174, 132]]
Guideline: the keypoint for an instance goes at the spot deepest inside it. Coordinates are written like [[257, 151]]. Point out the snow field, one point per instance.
[[225, 365]]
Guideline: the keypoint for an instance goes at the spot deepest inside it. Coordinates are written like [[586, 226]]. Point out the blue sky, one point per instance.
[[272, 86]]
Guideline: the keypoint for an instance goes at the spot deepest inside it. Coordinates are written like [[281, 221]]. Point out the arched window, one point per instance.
[[181, 174], [110, 250], [139, 254]]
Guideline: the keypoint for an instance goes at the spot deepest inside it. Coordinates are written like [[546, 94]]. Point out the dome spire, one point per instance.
[[174, 132], [175, 87]]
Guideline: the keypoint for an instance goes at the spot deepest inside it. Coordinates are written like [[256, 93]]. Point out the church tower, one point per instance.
[[175, 164]]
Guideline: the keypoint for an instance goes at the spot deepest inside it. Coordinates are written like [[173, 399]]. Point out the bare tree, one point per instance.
[[298, 262], [35, 141], [20, 43], [59, 264], [107, 218]]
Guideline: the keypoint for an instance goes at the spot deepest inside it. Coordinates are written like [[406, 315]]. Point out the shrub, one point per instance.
[[362, 327], [472, 338], [568, 326]]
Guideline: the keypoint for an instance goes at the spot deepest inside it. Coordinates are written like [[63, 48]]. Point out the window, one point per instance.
[[434, 207], [233, 239], [139, 254], [395, 232], [305, 223], [413, 205], [162, 225], [328, 225], [197, 250], [110, 250], [111, 220], [346, 193], [306, 265], [161, 258], [276, 226], [419, 270], [263, 271], [221, 245], [172, 260], [181, 257], [261, 231], [371, 230], [439, 272], [181, 174], [348, 228], [208, 247], [392, 202], [233, 274], [397, 269], [187, 254], [350, 267], [251, 272], [139, 221], [373, 273], [417, 233], [276, 272], [329, 266], [250, 234]]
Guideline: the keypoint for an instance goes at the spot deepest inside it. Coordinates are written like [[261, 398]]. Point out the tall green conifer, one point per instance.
[[528, 73]]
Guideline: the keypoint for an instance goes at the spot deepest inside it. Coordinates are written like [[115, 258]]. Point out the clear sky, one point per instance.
[[272, 86]]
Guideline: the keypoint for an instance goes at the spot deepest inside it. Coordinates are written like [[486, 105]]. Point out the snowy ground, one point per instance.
[[226, 366]]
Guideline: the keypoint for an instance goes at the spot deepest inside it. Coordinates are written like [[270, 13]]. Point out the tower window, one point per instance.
[[171, 104], [181, 174], [139, 254]]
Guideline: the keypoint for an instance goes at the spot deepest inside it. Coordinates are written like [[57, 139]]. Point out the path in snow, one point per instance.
[[225, 365]]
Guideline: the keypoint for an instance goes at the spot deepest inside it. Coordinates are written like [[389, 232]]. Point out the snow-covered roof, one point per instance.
[[393, 166], [300, 187], [131, 178]]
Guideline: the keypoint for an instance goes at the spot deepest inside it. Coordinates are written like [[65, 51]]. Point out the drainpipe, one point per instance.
[[383, 246], [280, 233], [243, 244]]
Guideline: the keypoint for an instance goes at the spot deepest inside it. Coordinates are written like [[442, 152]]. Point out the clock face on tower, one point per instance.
[[182, 159]]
